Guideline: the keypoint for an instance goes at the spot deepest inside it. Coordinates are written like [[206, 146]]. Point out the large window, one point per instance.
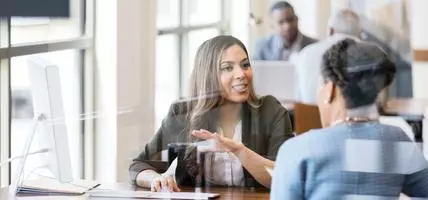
[[64, 42], [183, 25]]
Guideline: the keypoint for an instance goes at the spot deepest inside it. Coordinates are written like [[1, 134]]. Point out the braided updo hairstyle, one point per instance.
[[360, 69]]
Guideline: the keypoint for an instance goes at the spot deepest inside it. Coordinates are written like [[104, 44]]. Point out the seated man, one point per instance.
[[286, 40]]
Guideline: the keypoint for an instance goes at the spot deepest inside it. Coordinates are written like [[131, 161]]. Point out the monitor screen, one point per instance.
[[35, 8], [276, 78]]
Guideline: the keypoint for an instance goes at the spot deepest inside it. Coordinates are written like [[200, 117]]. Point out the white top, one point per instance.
[[308, 67], [226, 169]]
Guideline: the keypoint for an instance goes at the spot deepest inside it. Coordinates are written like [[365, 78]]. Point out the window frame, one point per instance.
[[84, 44], [181, 32]]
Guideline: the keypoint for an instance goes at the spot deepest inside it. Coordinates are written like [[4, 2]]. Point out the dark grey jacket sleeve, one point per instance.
[[280, 128], [307, 41], [151, 151], [169, 132]]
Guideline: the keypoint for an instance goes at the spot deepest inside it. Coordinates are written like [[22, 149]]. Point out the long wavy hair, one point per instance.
[[205, 87]]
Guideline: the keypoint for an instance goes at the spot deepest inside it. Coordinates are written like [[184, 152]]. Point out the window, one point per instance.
[[183, 25], [40, 29], [201, 12], [167, 65], [194, 40], [168, 13], [65, 42]]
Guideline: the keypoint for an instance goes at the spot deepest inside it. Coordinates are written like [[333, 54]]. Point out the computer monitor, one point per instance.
[[276, 78], [48, 103], [39, 8]]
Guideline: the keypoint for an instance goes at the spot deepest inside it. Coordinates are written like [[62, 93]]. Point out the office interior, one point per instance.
[[123, 62]]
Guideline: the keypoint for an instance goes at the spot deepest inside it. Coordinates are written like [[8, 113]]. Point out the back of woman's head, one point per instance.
[[360, 69]]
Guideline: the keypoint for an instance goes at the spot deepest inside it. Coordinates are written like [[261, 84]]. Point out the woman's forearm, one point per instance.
[[255, 164]]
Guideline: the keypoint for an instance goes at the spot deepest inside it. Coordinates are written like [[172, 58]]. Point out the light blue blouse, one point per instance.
[[350, 161]]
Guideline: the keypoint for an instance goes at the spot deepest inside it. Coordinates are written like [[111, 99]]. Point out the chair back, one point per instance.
[[306, 117]]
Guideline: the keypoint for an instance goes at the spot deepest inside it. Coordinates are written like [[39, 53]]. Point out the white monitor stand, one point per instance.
[[52, 139], [48, 104]]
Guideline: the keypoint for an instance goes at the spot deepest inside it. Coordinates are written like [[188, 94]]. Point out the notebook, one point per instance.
[[151, 195], [45, 185]]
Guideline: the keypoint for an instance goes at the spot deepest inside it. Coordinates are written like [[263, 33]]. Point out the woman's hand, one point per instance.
[[221, 143], [164, 183]]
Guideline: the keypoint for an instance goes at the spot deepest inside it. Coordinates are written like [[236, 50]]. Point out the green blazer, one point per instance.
[[264, 129]]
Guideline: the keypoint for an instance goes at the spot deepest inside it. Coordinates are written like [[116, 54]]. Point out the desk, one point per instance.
[[236, 193], [225, 193]]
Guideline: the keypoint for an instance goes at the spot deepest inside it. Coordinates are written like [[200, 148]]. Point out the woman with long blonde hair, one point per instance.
[[223, 108]]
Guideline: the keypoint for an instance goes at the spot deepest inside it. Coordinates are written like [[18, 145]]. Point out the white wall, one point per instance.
[[260, 9], [419, 25], [105, 87], [239, 20], [419, 30], [322, 17], [125, 46]]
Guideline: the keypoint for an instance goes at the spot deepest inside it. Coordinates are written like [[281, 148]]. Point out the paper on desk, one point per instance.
[[50, 186], [152, 195]]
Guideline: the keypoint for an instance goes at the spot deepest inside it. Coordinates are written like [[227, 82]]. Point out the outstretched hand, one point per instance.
[[221, 143]]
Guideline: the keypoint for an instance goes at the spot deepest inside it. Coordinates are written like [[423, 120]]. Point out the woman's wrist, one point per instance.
[[240, 150]]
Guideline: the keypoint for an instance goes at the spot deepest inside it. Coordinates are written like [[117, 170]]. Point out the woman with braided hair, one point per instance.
[[353, 155]]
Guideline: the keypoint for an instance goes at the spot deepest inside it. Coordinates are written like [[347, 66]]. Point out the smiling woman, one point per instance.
[[235, 74], [246, 131]]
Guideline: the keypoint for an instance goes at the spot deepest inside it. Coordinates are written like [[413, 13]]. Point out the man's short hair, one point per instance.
[[346, 22], [279, 5]]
